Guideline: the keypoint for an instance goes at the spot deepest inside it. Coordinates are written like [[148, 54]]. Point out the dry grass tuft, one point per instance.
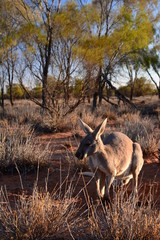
[[59, 216], [40, 216], [124, 219], [142, 130], [19, 146]]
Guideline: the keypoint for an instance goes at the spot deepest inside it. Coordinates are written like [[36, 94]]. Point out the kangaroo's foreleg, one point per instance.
[[100, 183], [103, 184], [98, 179], [110, 180]]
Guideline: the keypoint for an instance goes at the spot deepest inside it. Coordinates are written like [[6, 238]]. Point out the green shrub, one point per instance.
[[142, 87], [17, 92], [37, 92]]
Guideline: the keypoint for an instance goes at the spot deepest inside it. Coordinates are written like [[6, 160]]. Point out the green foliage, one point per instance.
[[125, 90], [142, 87], [68, 21], [132, 31], [77, 89], [69, 25], [17, 92], [37, 91], [150, 58]]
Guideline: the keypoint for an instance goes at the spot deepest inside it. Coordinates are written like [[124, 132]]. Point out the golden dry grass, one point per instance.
[[61, 216]]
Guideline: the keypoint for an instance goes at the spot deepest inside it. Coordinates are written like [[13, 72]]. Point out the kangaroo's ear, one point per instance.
[[85, 127], [100, 129]]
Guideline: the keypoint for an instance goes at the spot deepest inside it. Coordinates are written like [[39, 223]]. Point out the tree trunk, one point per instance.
[[88, 99], [66, 90], [44, 90], [131, 93], [152, 79], [100, 94], [10, 94], [46, 67], [117, 93], [2, 98], [94, 101], [67, 81], [158, 92], [101, 87]]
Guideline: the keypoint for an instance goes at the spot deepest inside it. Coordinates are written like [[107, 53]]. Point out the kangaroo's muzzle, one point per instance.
[[79, 155]]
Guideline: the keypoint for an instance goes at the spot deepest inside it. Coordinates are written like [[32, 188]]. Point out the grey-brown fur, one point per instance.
[[115, 157]]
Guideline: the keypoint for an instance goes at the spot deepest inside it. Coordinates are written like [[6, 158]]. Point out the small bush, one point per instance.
[[125, 220], [39, 216], [141, 130], [23, 112], [18, 146]]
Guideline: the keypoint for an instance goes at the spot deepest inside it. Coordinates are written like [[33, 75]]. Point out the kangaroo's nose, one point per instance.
[[79, 155]]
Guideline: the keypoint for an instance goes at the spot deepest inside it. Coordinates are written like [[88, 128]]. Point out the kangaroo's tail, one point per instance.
[[89, 174]]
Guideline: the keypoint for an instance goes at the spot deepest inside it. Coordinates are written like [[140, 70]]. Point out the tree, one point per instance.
[[150, 61], [93, 40], [10, 64], [78, 87], [122, 30], [8, 42], [2, 80], [37, 92], [49, 35], [69, 32], [132, 64], [142, 87], [134, 32], [17, 91], [37, 32]]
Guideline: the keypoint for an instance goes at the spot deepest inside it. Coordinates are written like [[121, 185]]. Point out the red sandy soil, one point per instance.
[[64, 145]]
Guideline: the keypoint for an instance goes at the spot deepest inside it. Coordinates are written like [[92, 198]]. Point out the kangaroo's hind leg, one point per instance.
[[137, 164]]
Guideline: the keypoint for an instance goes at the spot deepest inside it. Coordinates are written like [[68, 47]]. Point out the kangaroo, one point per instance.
[[116, 156]]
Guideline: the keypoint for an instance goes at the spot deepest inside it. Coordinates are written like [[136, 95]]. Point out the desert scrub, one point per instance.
[[23, 111], [142, 130], [18, 145], [124, 219], [40, 216]]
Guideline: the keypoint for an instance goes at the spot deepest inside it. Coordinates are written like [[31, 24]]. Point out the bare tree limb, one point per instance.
[[118, 94]]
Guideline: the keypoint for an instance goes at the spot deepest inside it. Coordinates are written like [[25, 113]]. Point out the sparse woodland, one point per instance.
[[61, 61]]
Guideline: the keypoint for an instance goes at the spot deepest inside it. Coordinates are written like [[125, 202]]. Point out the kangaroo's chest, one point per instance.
[[113, 165], [99, 162], [93, 163]]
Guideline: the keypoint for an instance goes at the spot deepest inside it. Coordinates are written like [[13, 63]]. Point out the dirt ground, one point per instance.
[[64, 146]]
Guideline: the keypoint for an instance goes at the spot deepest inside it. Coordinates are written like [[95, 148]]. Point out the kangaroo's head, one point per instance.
[[90, 143]]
